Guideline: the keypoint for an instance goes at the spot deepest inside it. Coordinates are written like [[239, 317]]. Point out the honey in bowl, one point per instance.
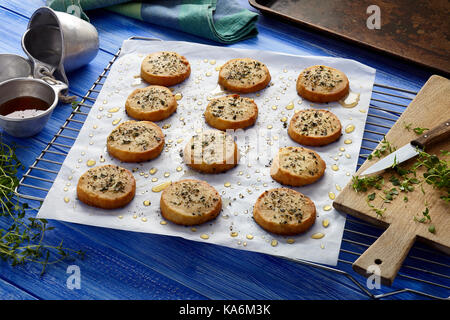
[[23, 107]]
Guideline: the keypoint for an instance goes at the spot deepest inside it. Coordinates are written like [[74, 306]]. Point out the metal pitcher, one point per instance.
[[57, 42]]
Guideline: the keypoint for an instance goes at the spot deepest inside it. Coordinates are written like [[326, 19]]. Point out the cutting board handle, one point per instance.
[[437, 134], [386, 254]]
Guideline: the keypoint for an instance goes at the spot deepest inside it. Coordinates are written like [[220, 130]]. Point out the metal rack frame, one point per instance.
[[424, 267]]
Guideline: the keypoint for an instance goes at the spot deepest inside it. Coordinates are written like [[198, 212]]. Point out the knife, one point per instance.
[[412, 149]]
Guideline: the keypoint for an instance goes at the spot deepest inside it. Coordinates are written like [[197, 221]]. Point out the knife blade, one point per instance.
[[412, 149], [401, 155]]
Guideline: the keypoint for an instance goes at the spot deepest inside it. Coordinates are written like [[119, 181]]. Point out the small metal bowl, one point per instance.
[[13, 66], [46, 89]]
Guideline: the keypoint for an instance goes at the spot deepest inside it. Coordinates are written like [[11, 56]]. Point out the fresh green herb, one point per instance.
[[407, 126], [75, 104], [379, 212], [419, 130], [426, 216], [432, 229], [22, 240], [395, 163], [363, 184], [385, 148], [390, 194], [437, 172], [405, 199], [371, 196]]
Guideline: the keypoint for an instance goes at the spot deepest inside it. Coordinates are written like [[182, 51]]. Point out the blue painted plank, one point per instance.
[[11, 292], [104, 274]]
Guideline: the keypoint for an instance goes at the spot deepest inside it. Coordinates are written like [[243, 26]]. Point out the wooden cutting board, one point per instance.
[[429, 108]]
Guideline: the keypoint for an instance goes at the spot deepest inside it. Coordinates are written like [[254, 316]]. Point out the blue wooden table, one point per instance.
[[127, 265]]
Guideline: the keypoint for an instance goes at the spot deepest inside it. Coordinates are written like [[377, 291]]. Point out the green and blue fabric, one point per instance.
[[223, 21]]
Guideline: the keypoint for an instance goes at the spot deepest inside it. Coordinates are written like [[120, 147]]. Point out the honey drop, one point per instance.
[[290, 106], [90, 163], [318, 235], [350, 128], [350, 101], [161, 186]]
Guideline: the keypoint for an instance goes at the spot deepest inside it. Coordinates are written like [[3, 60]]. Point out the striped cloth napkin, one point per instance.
[[223, 21]]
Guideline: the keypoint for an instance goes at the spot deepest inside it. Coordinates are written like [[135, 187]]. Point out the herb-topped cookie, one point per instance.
[[313, 127], [284, 211], [297, 166], [106, 187], [211, 151], [165, 68], [244, 75], [322, 84], [231, 112], [190, 202], [153, 103], [135, 141]]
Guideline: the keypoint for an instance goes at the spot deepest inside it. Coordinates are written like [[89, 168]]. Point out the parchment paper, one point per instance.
[[238, 187]]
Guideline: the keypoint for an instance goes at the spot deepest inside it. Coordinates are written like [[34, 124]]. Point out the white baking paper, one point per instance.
[[238, 187]]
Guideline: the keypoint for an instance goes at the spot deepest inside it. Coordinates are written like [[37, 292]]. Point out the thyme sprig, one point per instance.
[[22, 240], [385, 148], [437, 174], [417, 130]]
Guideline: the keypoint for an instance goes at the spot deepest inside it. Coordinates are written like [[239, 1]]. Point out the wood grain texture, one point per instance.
[[128, 265], [430, 106], [416, 33], [434, 135]]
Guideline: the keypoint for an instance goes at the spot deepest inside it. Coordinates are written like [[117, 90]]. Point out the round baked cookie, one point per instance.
[[135, 141], [297, 166], [190, 202], [322, 84], [231, 112], [244, 75], [165, 68], [313, 127], [284, 211], [211, 151], [106, 187], [153, 103]]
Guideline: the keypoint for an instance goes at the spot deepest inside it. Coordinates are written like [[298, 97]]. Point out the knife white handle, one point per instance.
[[437, 134]]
